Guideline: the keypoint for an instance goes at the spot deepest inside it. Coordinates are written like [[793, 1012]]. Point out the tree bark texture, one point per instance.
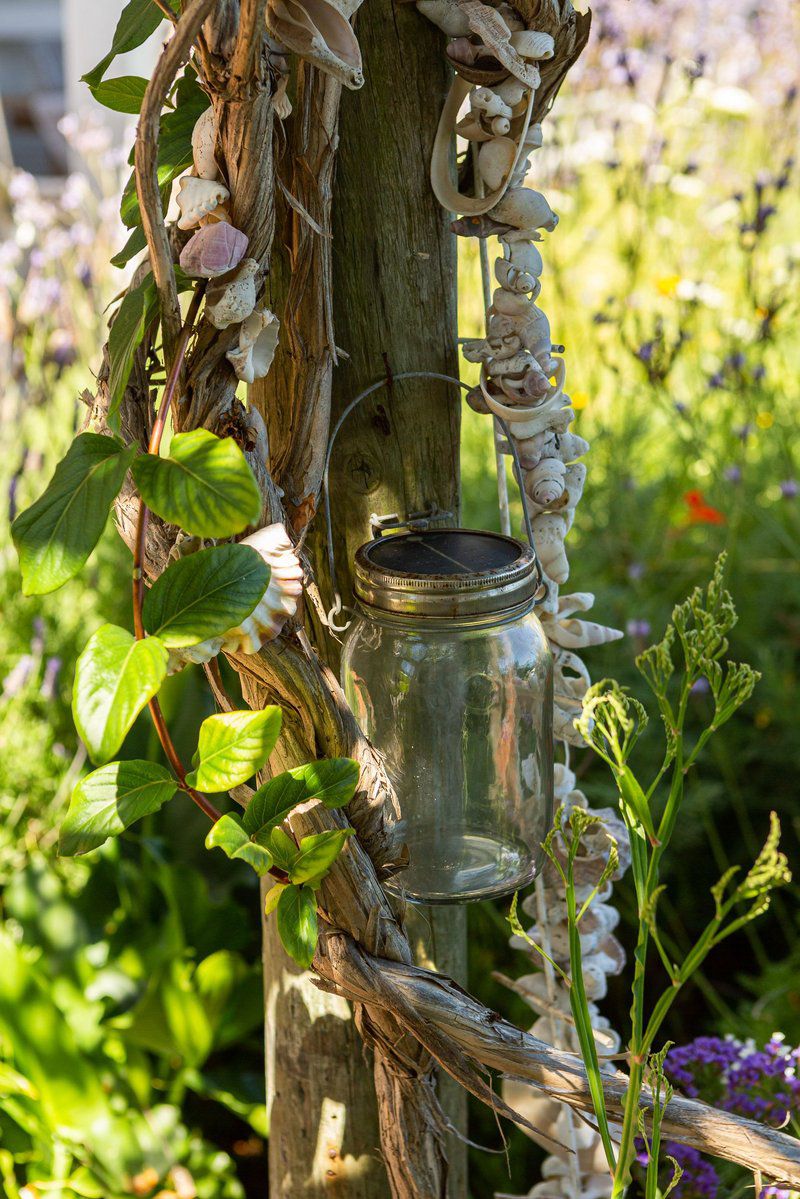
[[381, 294]]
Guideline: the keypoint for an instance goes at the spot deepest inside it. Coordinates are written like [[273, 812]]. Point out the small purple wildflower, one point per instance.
[[636, 571], [716, 381], [733, 474], [760, 1083], [789, 488], [700, 686], [743, 432], [638, 628], [681, 408], [50, 681]]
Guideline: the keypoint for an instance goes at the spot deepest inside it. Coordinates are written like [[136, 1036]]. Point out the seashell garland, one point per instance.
[[522, 380], [277, 605], [579, 1171]]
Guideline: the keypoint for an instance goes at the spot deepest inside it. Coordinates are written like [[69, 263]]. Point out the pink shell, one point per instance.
[[213, 250]]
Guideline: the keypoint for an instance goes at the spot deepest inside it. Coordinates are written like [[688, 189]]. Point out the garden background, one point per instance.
[[130, 980]]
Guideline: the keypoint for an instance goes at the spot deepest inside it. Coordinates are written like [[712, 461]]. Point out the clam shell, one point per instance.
[[495, 161], [213, 250]]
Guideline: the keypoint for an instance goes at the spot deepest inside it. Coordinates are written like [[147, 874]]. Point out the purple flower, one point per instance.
[[636, 571], [738, 1076], [700, 686], [789, 488], [743, 432], [50, 680], [638, 628], [645, 351], [733, 474], [681, 408], [759, 373], [716, 381]]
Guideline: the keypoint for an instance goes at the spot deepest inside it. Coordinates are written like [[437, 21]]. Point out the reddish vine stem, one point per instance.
[[153, 447]]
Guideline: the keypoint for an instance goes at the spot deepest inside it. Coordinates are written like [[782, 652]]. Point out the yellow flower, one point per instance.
[[763, 718], [667, 285], [579, 400], [765, 420]]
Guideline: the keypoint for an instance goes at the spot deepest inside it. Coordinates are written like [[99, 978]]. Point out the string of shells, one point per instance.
[[498, 59]]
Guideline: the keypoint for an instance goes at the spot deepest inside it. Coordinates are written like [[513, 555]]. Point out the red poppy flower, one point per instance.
[[701, 513]]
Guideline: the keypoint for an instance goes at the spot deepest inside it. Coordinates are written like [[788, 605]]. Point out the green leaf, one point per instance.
[[205, 485], [174, 145], [111, 799], [115, 677], [228, 835], [233, 746], [133, 246], [317, 854], [332, 781], [205, 594], [272, 898], [283, 849], [138, 20], [124, 94], [136, 312], [297, 924], [56, 535]]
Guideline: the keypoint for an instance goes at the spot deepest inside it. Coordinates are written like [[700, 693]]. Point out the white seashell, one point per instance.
[[447, 15], [198, 197], [571, 446], [511, 92], [576, 478], [502, 347], [258, 340], [524, 256], [485, 102], [281, 103], [532, 45], [280, 600], [204, 144], [232, 302], [495, 160], [471, 129], [512, 278], [320, 33], [508, 303], [545, 483], [500, 126], [477, 350], [549, 531], [533, 138], [525, 208]]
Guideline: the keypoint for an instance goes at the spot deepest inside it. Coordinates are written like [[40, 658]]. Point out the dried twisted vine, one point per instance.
[[431, 1019]]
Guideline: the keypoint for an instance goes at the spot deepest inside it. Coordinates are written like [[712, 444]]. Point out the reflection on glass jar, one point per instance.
[[448, 670]]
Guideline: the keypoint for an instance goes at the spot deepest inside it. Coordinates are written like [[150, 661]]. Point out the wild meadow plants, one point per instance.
[[673, 282]]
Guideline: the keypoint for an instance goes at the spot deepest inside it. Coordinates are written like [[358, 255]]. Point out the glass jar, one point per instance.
[[449, 673]]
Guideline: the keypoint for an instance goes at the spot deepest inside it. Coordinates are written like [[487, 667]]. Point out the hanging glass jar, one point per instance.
[[449, 673]]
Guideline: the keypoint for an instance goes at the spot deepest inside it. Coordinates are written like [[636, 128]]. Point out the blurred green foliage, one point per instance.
[[130, 1004]]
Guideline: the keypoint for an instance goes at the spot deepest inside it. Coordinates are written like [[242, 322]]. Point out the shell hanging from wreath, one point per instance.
[[320, 32]]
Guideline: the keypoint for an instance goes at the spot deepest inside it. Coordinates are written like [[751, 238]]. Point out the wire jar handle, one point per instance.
[[338, 605]]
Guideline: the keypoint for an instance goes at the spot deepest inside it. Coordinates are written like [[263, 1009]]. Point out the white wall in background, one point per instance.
[[87, 30]]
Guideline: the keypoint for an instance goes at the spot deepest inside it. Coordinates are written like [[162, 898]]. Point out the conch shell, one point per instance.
[[277, 605], [526, 209], [204, 144], [549, 531], [197, 198], [564, 630], [319, 32], [258, 340], [231, 302]]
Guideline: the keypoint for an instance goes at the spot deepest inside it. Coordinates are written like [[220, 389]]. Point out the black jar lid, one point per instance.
[[445, 573]]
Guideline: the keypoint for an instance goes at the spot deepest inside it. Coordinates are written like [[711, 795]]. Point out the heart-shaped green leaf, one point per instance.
[[233, 746], [109, 800], [317, 854], [229, 836], [56, 535], [205, 594], [138, 19], [205, 485], [115, 676], [297, 924], [124, 94], [332, 781]]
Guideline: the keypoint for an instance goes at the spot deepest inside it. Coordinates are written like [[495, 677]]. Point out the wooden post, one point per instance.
[[394, 306]]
